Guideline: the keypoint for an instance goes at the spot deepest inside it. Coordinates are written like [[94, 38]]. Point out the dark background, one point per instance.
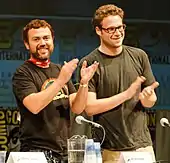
[[134, 9]]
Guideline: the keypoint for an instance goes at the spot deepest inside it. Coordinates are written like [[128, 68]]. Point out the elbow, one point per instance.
[[89, 111], [34, 106], [77, 111], [34, 110]]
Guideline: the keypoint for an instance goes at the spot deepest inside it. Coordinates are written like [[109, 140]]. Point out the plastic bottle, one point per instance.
[[98, 152], [90, 153]]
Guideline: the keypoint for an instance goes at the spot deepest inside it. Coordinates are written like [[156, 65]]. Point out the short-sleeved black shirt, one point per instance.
[[126, 125], [49, 128]]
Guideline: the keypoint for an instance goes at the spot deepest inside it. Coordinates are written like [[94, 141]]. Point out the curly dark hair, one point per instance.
[[35, 24], [105, 11]]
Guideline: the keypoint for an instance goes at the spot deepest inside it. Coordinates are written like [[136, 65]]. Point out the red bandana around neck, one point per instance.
[[42, 64]]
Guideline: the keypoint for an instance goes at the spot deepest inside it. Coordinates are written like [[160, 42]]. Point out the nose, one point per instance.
[[42, 42]]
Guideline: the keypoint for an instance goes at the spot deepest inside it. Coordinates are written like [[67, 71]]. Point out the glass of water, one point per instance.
[[76, 149]]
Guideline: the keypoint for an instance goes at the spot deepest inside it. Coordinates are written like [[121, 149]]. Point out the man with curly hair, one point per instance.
[[113, 101], [45, 94]]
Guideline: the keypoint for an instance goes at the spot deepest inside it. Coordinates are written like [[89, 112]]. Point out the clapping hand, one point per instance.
[[87, 72], [132, 90], [67, 70], [148, 91]]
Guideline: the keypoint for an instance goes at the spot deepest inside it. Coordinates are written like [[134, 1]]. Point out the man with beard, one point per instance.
[[111, 100], [44, 94]]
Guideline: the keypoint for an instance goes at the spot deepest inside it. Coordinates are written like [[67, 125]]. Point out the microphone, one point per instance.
[[164, 122], [79, 119]]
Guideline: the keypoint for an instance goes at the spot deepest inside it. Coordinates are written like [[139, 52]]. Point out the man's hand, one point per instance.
[[87, 72], [148, 91], [132, 90], [67, 70]]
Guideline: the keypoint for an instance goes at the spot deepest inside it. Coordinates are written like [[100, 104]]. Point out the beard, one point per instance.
[[40, 56]]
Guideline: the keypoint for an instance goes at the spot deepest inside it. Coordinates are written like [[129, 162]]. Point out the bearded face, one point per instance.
[[40, 43]]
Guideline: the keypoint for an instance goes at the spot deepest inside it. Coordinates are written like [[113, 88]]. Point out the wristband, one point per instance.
[[83, 85]]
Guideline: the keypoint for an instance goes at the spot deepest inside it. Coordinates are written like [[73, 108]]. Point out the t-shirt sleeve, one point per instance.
[[92, 84], [71, 87], [147, 71], [23, 84], [78, 77]]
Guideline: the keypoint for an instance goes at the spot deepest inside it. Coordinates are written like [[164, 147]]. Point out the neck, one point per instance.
[[40, 63], [37, 59], [112, 51]]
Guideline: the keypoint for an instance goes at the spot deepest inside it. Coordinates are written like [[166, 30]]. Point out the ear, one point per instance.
[[27, 45], [98, 31]]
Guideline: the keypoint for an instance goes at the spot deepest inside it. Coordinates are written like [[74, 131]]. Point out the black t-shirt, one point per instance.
[[49, 128], [126, 125]]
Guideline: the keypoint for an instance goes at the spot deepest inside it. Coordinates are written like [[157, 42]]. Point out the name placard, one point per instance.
[[136, 157], [26, 157], [2, 156]]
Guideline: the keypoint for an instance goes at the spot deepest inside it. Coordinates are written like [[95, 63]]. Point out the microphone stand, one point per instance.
[[104, 134]]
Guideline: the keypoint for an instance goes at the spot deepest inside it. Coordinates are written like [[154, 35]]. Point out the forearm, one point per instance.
[[79, 102], [105, 104], [38, 101], [149, 102]]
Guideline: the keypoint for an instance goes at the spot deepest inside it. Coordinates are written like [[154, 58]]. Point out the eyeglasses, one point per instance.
[[112, 30]]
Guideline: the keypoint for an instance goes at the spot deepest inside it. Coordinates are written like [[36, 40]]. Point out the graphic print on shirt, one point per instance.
[[63, 93]]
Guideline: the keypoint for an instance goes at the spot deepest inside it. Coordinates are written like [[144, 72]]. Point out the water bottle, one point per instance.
[[90, 153], [98, 152]]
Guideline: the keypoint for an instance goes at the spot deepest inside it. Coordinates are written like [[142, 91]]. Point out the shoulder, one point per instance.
[[135, 52], [22, 68], [133, 49], [23, 71]]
